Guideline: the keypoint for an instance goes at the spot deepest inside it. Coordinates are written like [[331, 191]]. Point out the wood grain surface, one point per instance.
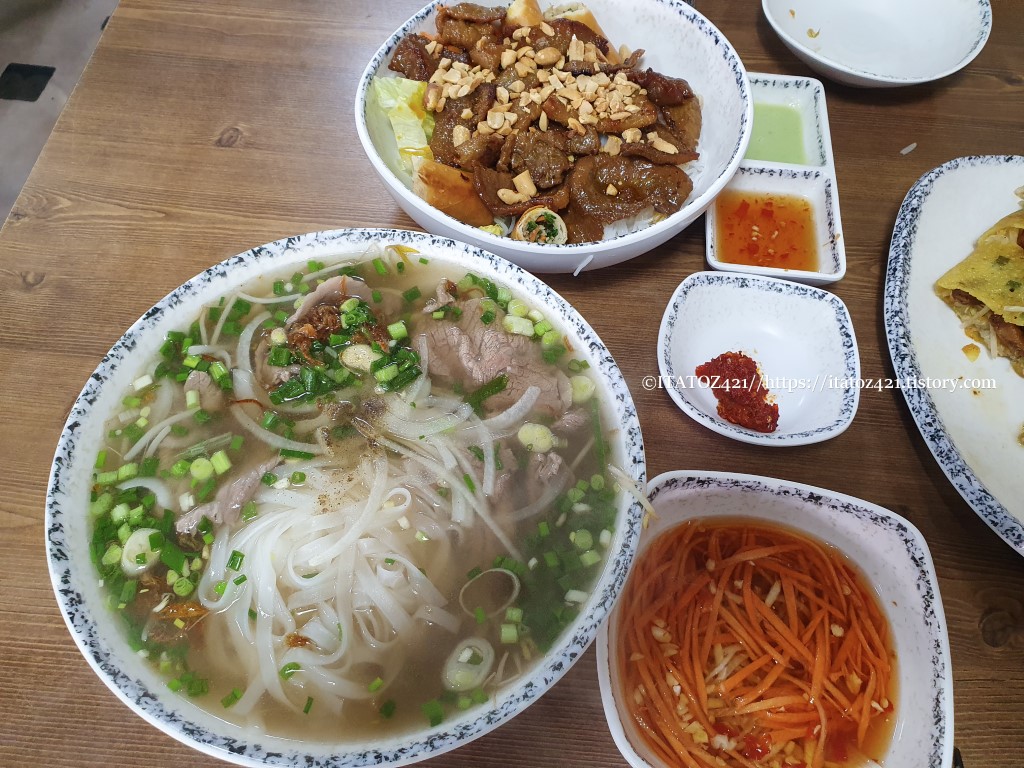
[[203, 127]]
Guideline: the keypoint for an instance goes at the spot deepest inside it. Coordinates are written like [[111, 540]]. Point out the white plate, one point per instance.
[[801, 337], [890, 553], [971, 431]]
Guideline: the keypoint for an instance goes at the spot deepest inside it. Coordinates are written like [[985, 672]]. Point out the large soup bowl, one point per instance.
[[96, 629], [677, 41]]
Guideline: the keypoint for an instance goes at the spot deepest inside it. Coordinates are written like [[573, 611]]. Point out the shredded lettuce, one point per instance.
[[400, 101]]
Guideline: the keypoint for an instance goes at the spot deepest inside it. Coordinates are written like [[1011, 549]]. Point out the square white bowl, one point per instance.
[[816, 185], [807, 96], [891, 555], [801, 337]]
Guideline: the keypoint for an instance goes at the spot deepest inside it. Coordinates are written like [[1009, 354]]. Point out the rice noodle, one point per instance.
[[243, 350], [270, 438], [153, 431], [225, 311]]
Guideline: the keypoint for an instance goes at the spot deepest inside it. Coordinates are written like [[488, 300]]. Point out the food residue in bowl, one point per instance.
[[743, 398], [741, 643], [777, 134], [766, 230]]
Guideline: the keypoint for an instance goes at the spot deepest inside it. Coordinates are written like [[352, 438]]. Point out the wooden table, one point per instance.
[[204, 127]]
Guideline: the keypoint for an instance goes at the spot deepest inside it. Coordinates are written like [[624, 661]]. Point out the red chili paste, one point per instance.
[[742, 396]]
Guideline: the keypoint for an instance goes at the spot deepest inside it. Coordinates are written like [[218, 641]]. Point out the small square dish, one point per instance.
[[790, 121], [913, 727], [780, 222], [801, 339]]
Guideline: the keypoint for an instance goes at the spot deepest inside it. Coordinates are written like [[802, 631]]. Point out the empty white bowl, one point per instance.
[[801, 337], [882, 43], [677, 41], [891, 555]]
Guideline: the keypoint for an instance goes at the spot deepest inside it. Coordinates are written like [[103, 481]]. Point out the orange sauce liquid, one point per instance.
[[765, 230]]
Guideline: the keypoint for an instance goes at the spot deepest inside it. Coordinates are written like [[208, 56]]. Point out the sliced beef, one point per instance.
[[480, 149], [269, 376], [541, 155], [411, 59], [657, 156], [478, 102], [564, 31], [557, 111], [663, 90], [645, 116], [487, 53], [684, 122], [445, 295], [228, 502], [457, 27], [571, 421], [638, 184], [587, 144], [476, 13], [488, 181], [470, 352], [211, 396]]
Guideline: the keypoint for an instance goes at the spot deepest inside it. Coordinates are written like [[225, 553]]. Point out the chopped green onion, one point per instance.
[[434, 711], [183, 587], [509, 634], [220, 462], [239, 580], [231, 698], [387, 709], [479, 615], [380, 266], [298, 478], [236, 560], [309, 705], [375, 686], [469, 483], [289, 669], [288, 453], [269, 478]]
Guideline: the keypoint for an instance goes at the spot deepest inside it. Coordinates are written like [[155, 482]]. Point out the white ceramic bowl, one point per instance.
[[818, 187], [678, 41], [889, 552], [882, 43], [801, 337], [136, 683]]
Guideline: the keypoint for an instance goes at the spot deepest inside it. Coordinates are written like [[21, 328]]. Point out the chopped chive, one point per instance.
[[309, 705], [288, 453]]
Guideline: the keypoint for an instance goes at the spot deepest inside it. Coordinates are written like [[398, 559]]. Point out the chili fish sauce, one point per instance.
[[766, 230]]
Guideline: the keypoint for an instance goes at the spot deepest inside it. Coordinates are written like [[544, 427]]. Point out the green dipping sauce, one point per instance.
[[778, 134]]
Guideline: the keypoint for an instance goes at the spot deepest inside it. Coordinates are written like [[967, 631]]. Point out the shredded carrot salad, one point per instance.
[[750, 644]]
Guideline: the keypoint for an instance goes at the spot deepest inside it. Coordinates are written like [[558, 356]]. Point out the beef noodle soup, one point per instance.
[[354, 500]]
